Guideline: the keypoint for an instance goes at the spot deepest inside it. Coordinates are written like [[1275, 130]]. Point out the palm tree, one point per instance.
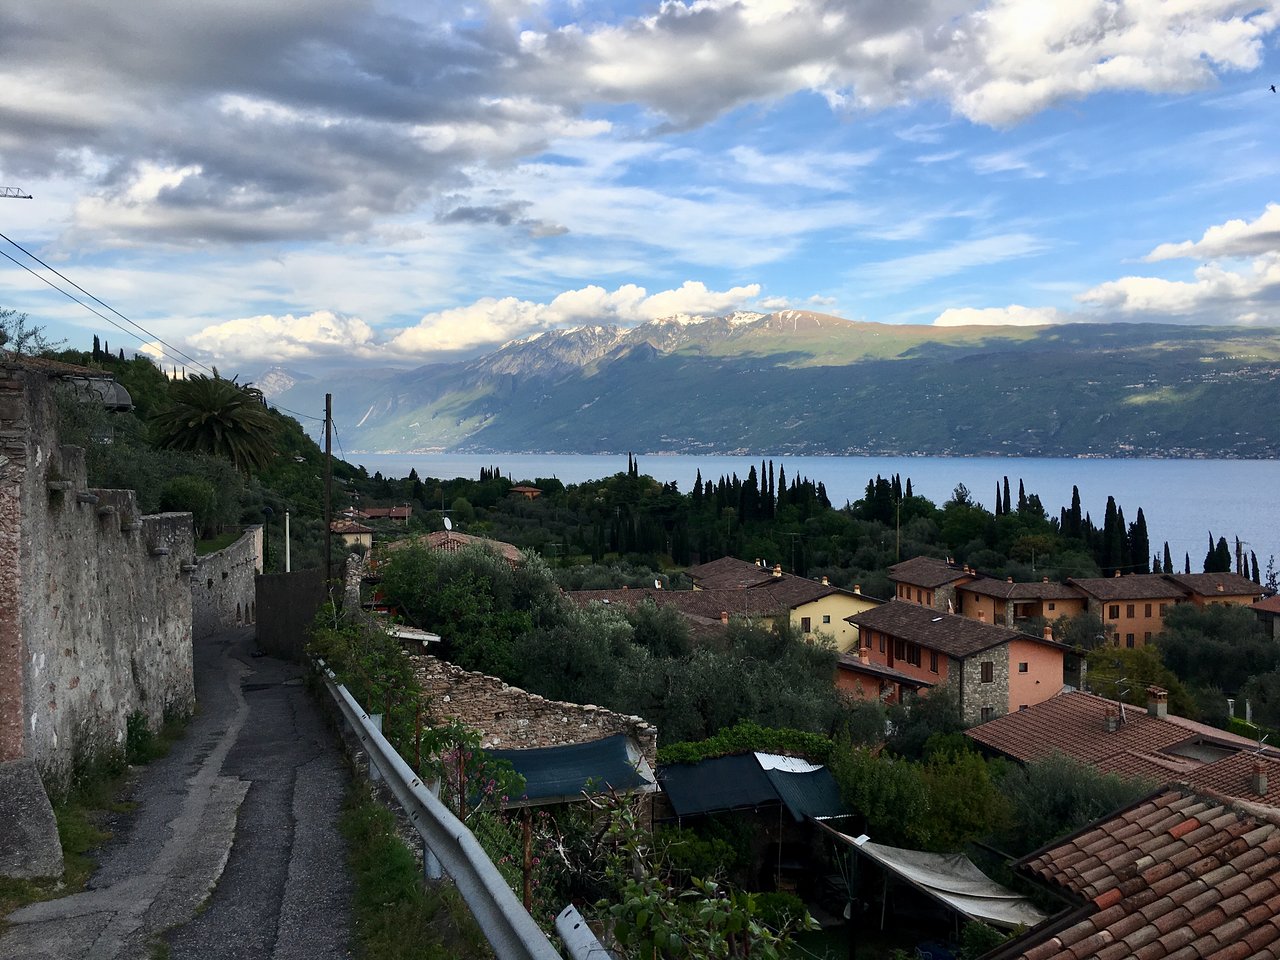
[[220, 417]]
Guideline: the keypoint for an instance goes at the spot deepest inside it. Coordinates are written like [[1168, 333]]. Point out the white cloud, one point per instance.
[[276, 338], [1235, 238], [492, 321], [911, 270], [1216, 295], [1013, 315]]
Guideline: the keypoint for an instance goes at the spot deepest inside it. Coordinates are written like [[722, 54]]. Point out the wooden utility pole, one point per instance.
[[328, 488]]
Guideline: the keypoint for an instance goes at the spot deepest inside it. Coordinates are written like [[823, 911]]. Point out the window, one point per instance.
[[1052, 605], [1022, 706], [919, 596], [988, 713], [933, 661], [1022, 667], [826, 618], [1162, 608], [1128, 609], [1128, 640], [806, 626], [1114, 613], [913, 654], [882, 643], [900, 649], [1148, 613], [988, 671], [1147, 636]]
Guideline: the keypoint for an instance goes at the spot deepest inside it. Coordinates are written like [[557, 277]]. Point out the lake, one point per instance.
[[1182, 500]]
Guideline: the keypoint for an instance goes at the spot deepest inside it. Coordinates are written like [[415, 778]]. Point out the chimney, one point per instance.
[[1048, 632], [1044, 580], [826, 582], [1258, 779], [1111, 722], [777, 570], [1008, 579], [857, 588], [864, 654], [1220, 588], [1157, 702], [759, 562], [1116, 574], [724, 616]]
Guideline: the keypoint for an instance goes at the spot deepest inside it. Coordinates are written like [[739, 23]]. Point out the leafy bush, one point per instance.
[[748, 737]]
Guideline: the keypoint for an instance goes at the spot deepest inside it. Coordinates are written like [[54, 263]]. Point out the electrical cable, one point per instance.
[[106, 306], [85, 305]]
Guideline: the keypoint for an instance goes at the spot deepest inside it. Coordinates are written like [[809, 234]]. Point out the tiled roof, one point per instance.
[[1075, 724], [703, 603], [1233, 777], [851, 663], [953, 635], [451, 541], [1136, 586], [1175, 875], [928, 572], [53, 368], [729, 572], [1269, 605], [349, 526], [1033, 590], [1208, 584]]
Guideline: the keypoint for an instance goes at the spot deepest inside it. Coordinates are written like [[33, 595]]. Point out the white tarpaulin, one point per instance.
[[955, 881]]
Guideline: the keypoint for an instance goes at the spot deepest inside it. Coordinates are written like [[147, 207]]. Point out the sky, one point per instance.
[[324, 182]]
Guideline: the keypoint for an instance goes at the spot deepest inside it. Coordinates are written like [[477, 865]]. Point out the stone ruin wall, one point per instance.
[[223, 586], [95, 599], [514, 719]]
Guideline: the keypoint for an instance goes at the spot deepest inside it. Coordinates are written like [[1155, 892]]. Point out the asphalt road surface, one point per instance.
[[233, 851]]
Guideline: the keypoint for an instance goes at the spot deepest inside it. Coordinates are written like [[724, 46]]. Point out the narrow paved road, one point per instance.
[[233, 851]]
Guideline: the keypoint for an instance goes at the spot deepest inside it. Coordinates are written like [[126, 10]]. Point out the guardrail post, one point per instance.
[[580, 942], [375, 719], [431, 868]]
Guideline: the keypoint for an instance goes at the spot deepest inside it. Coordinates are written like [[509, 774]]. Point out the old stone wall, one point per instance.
[[95, 614], [966, 680], [513, 719], [222, 586]]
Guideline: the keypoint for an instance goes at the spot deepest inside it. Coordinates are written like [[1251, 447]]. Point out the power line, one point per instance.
[[106, 306], [72, 297]]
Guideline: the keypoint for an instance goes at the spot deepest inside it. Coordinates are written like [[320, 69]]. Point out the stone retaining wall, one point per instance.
[[512, 719], [222, 586]]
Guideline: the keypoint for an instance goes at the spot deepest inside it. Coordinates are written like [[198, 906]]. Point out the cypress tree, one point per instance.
[[1253, 557], [1076, 527], [1022, 497], [97, 348], [1187, 563], [1007, 505], [1139, 544], [1222, 557], [1110, 558], [998, 500], [909, 493], [782, 486]]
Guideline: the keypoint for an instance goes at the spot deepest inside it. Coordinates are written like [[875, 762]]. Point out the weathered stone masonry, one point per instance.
[[222, 586], [514, 719], [95, 599]]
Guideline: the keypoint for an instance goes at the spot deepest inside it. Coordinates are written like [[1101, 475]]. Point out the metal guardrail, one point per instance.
[[506, 924]]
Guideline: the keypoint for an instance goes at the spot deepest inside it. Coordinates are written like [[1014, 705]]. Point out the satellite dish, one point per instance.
[[448, 524]]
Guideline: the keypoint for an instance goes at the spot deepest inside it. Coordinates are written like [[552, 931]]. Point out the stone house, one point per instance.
[[992, 670]]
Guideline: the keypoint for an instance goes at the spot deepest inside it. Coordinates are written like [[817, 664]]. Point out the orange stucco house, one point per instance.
[[992, 670]]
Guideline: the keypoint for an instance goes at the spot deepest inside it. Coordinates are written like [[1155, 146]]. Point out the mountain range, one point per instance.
[[801, 382]]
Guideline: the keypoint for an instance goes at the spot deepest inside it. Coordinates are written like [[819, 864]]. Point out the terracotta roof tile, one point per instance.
[[949, 633], [1208, 584], [1172, 887], [1137, 586], [927, 572]]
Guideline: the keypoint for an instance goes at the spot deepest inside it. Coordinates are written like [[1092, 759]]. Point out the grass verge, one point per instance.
[[95, 793], [394, 915]]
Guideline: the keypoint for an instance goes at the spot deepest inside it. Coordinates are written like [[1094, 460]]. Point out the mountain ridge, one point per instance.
[[806, 382]]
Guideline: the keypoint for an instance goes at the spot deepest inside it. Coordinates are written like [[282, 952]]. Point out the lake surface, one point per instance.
[[1182, 500]]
